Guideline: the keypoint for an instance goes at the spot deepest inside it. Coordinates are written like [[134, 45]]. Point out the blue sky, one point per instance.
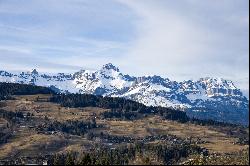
[[178, 39]]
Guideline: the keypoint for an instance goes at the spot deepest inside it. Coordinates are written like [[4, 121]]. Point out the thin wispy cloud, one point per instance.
[[65, 32], [191, 39], [184, 39]]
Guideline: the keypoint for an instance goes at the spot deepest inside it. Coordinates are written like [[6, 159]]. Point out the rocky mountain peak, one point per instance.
[[206, 94], [110, 66], [34, 72]]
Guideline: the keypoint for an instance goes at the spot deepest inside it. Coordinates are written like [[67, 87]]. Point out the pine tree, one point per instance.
[[69, 160], [86, 160], [56, 160]]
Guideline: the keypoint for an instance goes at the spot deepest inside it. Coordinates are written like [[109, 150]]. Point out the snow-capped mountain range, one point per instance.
[[210, 98]]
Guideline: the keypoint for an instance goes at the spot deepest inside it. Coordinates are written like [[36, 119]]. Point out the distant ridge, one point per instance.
[[208, 98]]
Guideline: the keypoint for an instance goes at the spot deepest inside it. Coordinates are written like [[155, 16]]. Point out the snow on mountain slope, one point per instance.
[[104, 82], [214, 94], [155, 91]]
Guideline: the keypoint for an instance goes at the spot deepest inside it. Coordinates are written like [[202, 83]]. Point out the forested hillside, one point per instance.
[[8, 89], [40, 126]]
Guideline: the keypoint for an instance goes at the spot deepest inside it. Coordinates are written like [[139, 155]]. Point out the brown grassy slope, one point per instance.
[[27, 141]]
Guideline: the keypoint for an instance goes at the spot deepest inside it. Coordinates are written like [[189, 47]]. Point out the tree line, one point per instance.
[[8, 89], [74, 127], [124, 155], [119, 107]]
